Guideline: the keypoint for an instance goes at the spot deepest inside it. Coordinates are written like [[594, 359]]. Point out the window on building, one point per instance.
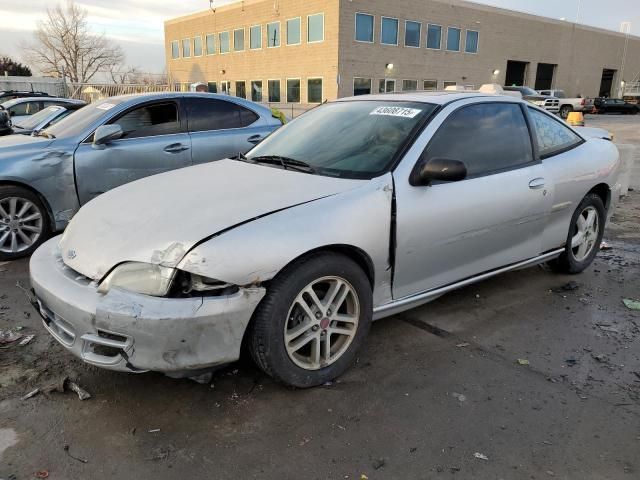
[[293, 31], [361, 86], [314, 90], [273, 34], [434, 37], [315, 28], [274, 91], [293, 90], [471, 45], [238, 40], [449, 84], [241, 89], [225, 86], [256, 90], [412, 33], [206, 114], [255, 37], [389, 33], [430, 85], [149, 121], [499, 127], [551, 135], [197, 46], [453, 39], [213, 87], [211, 44], [224, 42], [186, 48], [364, 27], [175, 49], [409, 85]]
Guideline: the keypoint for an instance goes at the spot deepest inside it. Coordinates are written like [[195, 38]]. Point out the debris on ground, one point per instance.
[[41, 474], [605, 246], [631, 304], [379, 463], [154, 430], [460, 397], [572, 285], [602, 358], [83, 460], [463, 344], [60, 386], [607, 328], [10, 336], [480, 456], [26, 340], [571, 362], [523, 361]]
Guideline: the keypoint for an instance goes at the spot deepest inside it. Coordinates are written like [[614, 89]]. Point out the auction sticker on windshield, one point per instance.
[[396, 112], [106, 106]]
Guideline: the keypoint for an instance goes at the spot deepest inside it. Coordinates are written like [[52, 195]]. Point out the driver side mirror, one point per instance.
[[439, 169], [107, 133]]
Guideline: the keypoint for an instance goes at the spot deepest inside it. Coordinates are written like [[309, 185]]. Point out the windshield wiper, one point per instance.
[[286, 163]]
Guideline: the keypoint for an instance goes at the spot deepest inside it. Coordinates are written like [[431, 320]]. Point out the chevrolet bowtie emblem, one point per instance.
[[71, 254]]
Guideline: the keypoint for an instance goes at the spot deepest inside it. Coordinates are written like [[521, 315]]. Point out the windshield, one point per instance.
[[354, 139], [79, 121], [42, 116]]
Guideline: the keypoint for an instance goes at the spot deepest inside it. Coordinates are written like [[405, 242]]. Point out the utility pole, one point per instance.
[[579, 12]]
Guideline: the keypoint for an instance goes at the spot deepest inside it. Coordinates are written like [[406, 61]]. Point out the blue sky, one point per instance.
[[138, 24]]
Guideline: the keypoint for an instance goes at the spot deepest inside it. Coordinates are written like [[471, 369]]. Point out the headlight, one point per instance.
[[143, 278]]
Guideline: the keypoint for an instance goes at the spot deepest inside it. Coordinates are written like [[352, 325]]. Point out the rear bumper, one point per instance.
[[129, 332]]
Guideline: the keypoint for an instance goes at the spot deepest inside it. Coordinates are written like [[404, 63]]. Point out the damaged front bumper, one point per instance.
[[129, 332]]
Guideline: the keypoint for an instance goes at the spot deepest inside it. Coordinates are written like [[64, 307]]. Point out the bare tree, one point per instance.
[[122, 75], [65, 46]]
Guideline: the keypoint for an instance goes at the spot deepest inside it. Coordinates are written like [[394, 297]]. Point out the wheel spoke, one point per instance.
[[314, 298], [25, 239], [591, 217], [301, 342], [32, 217], [345, 319], [582, 250], [341, 298], [327, 347], [14, 242], [581, 223], [332, 293], [13, 202], [3, 212], [298, 330], [315, 351], [577, 240], [300, 301], [31, 228], [25, 207], [4, 237], [341, 331]]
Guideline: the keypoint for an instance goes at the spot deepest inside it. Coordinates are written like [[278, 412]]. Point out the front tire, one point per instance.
[[24, 223], [585, 236], [565, 111], [313, 320]]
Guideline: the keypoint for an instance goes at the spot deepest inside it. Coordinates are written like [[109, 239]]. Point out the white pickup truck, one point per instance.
[[567, 105]]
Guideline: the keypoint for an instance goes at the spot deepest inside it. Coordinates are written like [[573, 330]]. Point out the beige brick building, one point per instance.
[[308, 51]]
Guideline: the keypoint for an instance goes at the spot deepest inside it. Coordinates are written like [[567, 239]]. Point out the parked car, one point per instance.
[[615, 105], [44, 179], [45, 118], [5, 122], [6, 95], [356, 210], [550, 104], [20, 109], [567, 105]]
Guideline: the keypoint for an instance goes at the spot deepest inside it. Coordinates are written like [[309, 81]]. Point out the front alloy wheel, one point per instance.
[[587, 228], [322, 323], [24, 224], [314, 318]]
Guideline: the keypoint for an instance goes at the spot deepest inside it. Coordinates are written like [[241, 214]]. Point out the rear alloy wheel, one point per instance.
[[565, 111], [313, 320], [24, 224], [585, 236]]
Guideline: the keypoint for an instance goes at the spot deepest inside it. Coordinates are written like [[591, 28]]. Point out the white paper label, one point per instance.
[[106, 106], [396, 112]]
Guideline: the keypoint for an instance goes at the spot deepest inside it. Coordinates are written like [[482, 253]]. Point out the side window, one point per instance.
[[149, 121], [487, 137], [207, 114], [25, 108], [551, 135]]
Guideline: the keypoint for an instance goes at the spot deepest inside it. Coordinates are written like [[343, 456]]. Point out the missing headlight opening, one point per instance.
[[187, 284]]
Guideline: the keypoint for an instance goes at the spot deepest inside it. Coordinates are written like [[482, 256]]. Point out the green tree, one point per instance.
[[12, 67]]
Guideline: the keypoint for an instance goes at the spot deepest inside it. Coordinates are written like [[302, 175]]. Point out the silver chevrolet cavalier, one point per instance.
[[359, 209]]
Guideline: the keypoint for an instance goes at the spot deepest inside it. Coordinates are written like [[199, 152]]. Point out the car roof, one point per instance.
[[435, 97], [17, 101]]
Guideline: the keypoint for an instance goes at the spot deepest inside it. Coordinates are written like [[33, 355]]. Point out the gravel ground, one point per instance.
[[528, 375]]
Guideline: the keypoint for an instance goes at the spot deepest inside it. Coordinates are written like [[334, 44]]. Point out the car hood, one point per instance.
[[17, 144], [159, 219]]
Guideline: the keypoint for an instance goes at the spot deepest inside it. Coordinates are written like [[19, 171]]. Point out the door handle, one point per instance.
[[255, 139], [536, 183], [175, 148]]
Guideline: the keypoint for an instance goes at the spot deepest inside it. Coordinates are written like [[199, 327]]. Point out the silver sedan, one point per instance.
[[358, 209]]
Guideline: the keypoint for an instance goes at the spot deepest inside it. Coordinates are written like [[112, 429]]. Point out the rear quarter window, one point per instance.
[[206, 114], [552, 136]]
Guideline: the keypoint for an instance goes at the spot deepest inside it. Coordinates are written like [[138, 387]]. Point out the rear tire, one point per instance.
[[24, 222], [565, 111], [295, 337], [584, 238]]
